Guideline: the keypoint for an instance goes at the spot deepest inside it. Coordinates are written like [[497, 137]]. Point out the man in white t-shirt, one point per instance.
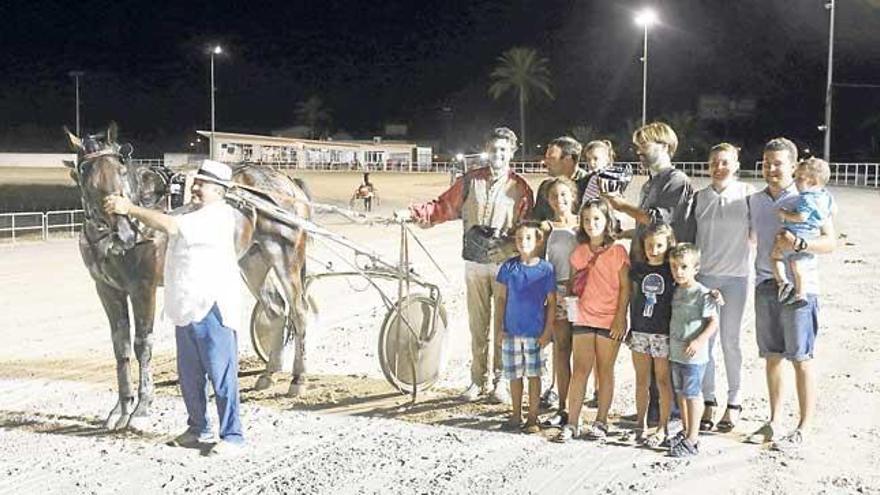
[[202, 300]]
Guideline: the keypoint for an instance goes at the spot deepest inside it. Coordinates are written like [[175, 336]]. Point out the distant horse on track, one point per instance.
[[126, 261]]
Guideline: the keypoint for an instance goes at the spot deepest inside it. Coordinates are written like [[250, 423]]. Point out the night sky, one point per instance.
[[146, 67]]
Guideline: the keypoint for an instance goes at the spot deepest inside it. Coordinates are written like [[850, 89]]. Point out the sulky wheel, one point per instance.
[[402, 363], [263, 330]]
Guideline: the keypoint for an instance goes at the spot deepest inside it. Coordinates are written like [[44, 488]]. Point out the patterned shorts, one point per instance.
[[654, 345], [521, 357], [561, 292]]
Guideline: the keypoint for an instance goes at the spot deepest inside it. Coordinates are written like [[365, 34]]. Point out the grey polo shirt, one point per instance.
[[665, 197], [722, 220], [765, 223]]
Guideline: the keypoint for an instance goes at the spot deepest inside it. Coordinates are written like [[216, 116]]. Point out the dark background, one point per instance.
[[426, 64]]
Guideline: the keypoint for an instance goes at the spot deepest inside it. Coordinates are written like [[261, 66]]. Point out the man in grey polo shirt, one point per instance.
[[561, 159], [784, 331]]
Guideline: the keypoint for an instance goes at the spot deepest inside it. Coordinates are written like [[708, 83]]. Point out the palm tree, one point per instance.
[[313, 114], [521, 70]]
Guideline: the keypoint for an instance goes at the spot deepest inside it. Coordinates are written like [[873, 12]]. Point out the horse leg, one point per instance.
[[254, 268], [287, 264], [143, 304], [116, 308]]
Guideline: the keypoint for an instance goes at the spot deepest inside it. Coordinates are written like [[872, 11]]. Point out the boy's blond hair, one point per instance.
[[656, 132], [600, 143], [817, 168], [685, 250]]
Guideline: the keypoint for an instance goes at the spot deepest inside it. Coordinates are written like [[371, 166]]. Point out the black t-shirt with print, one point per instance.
[[651, 305]]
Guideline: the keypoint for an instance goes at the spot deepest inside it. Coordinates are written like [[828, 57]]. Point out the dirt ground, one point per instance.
[[351, 432]]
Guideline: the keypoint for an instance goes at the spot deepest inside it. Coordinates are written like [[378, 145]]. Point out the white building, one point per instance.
[[375, 154]]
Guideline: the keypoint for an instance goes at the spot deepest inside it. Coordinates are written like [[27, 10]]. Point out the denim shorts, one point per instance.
[[783, 329], [687, 379], [584, 330]]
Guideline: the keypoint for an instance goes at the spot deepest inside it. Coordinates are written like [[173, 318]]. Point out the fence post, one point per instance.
[[13, 228], [45, 220]]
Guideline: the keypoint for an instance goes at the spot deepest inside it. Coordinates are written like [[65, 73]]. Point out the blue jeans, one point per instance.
[[785, 329], [208, 351], [735, 291]]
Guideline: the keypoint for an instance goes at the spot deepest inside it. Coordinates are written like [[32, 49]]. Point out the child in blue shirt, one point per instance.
[[804, 219], [527, 299]]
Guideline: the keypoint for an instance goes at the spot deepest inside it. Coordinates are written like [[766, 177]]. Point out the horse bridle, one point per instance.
[[96, 228]]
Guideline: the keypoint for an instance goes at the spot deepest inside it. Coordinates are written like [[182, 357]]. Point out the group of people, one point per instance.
[[555, 269]]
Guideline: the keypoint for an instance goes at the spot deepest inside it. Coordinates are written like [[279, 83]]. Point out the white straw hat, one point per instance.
[[216, 172]]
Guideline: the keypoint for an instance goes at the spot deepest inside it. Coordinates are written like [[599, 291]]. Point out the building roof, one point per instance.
[[312, 143]]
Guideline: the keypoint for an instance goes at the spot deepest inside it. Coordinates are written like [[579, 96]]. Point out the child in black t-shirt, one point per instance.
[[650, 310]]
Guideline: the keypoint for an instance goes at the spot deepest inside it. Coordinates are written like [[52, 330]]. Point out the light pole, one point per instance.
[[76, 74], [646, 17], [827, 149], [214, 51]]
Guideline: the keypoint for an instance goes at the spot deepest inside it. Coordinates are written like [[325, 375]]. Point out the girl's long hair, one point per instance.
[[607, 234]]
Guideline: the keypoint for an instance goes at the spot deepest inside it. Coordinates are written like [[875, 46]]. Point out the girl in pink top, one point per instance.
[[600, 320]]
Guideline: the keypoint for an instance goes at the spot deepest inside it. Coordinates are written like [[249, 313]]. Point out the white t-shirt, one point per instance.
[[201, 267], [723, 230], [560, 243]]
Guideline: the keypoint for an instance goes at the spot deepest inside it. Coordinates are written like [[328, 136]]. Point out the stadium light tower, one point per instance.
[[76, 74], [216, 50], [826, 152], [645, 18]]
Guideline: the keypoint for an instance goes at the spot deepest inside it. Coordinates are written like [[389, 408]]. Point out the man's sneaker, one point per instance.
[[226, 449], [558, 420], [473, 393], [500, 395], [596, 431], [789, 443], [684, 448], [673, 440], [763, 434], [190, 438]]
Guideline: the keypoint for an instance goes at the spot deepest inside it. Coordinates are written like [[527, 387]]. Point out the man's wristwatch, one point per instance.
[[800, 244]]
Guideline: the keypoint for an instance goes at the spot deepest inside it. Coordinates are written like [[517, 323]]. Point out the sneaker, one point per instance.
[[763, 434], [597, 431], [673, 440], [592, 403], [512, 424], [226, 449], [566, 433], [190, 438], [684, 448], [789, 443], [500, 394], [473, 393], [549, 399], [558, 420]]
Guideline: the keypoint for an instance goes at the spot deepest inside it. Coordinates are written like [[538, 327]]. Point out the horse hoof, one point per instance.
[[264, 381], [295, 390], [138, 423]]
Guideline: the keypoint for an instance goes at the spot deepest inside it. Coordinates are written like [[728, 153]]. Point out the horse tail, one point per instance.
[[302, 185]]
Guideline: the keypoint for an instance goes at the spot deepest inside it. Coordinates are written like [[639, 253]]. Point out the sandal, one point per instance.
[[727, 425], [655, 440], [706, 423]]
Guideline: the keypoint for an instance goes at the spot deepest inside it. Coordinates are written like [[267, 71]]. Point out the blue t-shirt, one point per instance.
[[817, 205], [527, 289]]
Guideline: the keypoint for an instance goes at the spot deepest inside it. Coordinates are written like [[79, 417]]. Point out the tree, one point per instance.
[[313, 114], [523, 71]]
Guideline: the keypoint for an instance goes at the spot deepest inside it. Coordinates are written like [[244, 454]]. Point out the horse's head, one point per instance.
[[100, 172]]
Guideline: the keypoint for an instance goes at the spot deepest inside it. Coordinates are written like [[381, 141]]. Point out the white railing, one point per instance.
[[848, 174], [39, 225]]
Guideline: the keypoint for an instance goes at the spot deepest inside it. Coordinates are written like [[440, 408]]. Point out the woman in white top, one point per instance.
[[561, 241], [721, 214]]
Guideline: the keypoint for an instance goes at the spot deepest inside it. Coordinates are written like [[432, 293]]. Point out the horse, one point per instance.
[[126, 261]]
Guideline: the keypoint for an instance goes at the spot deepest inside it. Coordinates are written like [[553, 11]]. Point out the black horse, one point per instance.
[[126, 261]]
